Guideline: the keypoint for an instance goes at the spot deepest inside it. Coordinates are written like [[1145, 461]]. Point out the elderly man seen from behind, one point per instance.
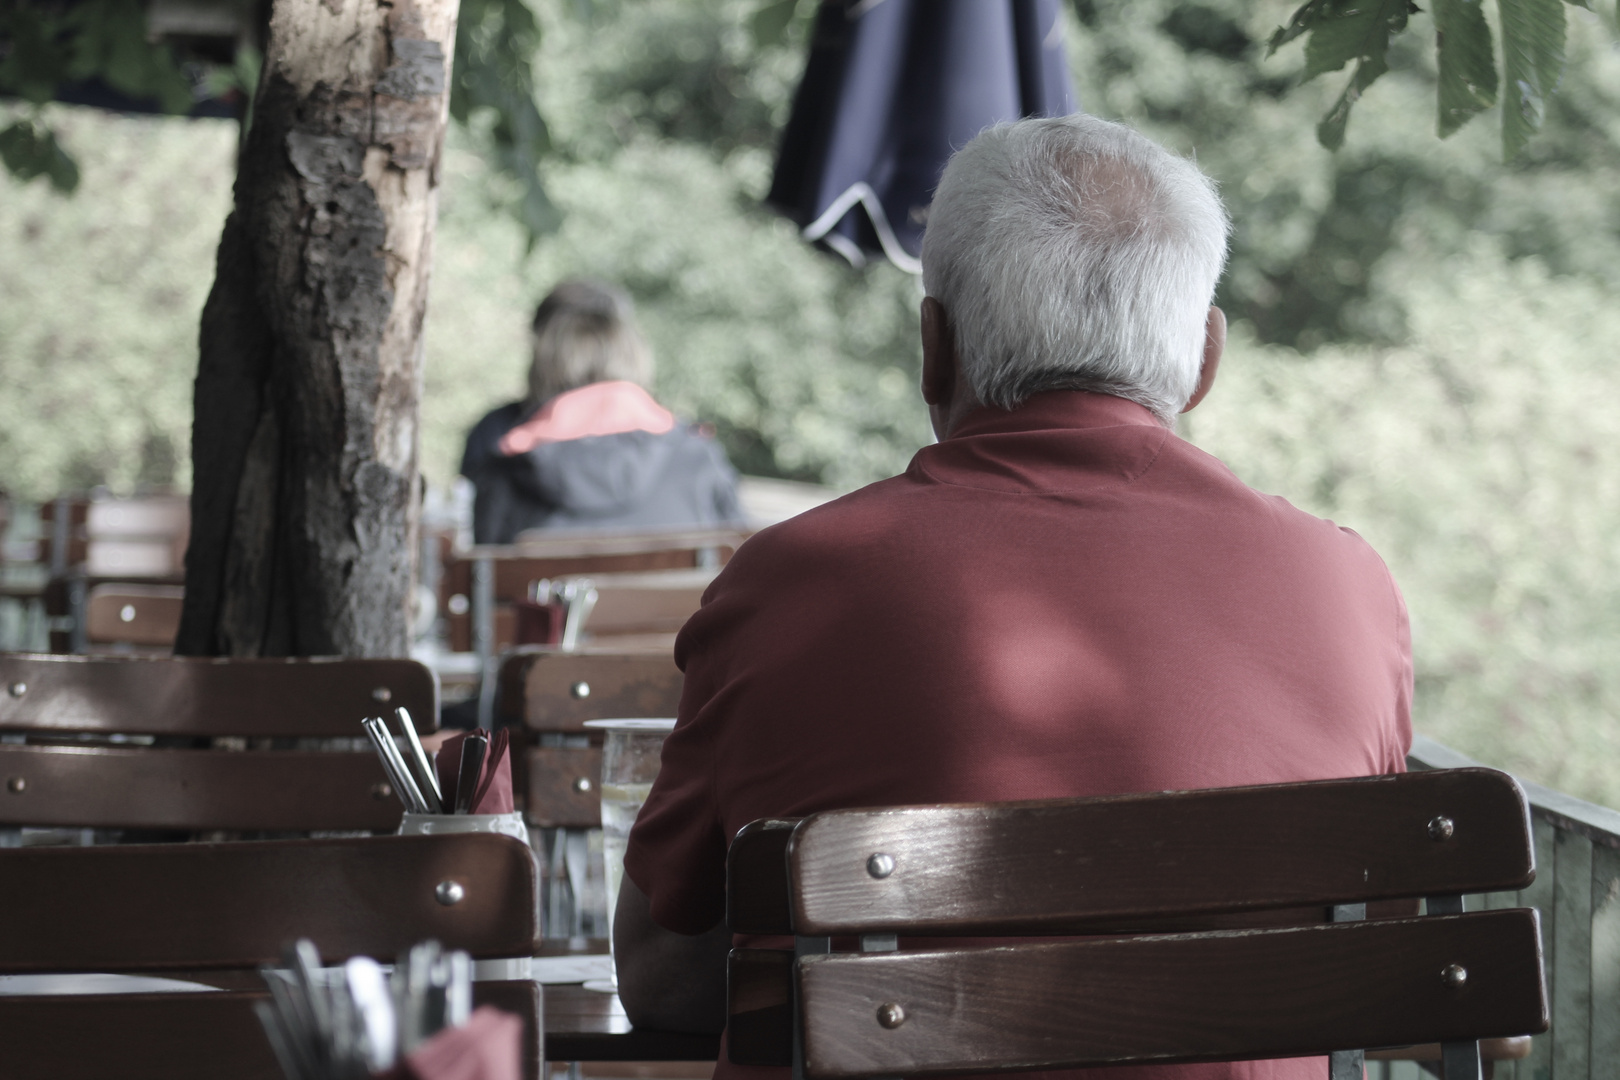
[[1060, 598]]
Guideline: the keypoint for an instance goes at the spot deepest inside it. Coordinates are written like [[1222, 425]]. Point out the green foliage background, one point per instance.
[[1422, 347]]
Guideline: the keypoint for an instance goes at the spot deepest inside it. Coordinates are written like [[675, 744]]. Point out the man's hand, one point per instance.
[[668, 981]]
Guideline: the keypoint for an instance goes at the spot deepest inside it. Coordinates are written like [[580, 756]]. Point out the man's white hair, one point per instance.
[[1072, 253]]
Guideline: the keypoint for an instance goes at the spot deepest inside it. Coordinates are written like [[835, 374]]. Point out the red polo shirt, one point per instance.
[[1064, 599]]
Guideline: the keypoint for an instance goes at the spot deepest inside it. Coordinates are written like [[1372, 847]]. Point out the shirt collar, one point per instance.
[[1055, 409]]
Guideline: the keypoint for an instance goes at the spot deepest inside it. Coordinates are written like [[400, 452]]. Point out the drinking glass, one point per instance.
[[630, 759]]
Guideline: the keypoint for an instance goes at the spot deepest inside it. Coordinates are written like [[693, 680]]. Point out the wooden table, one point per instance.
[[586, 1025]]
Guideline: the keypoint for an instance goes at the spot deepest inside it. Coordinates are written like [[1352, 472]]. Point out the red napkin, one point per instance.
[[487, 1047], [493, 793]]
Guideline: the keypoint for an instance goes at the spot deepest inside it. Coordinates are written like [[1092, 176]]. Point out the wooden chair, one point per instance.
[[213, 913], [478, 586], [91, 725], [130, 545], [551, 694], [1247, 909]]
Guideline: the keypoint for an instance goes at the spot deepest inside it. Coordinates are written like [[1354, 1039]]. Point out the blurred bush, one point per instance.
[[100, 295], [1478, 458]]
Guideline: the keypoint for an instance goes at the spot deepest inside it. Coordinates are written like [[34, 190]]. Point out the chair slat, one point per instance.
[[1173, 998], [207, 697], [185, 1036], [565, 787], [557, 692], [151, 907], [137, 614], [1068, 865], [148, 788]]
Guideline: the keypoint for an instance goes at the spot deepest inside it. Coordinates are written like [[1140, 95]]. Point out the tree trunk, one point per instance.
[[305, 490]]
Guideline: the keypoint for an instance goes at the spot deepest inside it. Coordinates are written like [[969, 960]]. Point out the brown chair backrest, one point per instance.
[[514, 566], [152, 907], [554, 693], [1175, 863], [133, 614], [137, 538], [183, 1036], [175, 907], [57, 700], [644, 605]]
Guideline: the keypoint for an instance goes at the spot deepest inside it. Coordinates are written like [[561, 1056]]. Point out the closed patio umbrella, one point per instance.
[[892, 88]]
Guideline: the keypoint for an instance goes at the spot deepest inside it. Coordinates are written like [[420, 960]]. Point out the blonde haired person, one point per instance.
[[589, 449]]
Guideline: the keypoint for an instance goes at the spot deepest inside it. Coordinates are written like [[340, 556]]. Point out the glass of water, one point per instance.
[[630, 759]]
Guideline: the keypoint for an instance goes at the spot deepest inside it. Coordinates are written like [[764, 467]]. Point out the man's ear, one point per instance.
[[1214, 345], [939, 354]]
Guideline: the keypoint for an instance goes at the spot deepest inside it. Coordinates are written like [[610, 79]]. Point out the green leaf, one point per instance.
[[492, 73], [1330, 132], [1354, 30], [771, 21], [1342, 31], [1304, 19], [1533, 66], [30, 150], [1467, 62]]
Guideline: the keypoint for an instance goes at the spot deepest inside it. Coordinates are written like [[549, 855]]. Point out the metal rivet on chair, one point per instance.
[[581, 689], [582, 784], [880, 865], [459, 604], [1454, 975], [18, 689], [1441, 828], [890, 1014], [382, 693], [449, 893], [126, 613], [16, 784], [381, 790]]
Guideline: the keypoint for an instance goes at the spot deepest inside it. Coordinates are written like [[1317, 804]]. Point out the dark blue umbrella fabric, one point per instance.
[[891, 90]]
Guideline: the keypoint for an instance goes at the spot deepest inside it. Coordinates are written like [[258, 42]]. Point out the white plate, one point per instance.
[[664, 724], [97, 983]]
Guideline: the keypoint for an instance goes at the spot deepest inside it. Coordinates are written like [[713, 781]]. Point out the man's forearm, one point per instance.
[[668, 981]]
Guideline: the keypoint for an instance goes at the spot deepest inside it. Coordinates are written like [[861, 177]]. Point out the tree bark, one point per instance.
[[304, 445]]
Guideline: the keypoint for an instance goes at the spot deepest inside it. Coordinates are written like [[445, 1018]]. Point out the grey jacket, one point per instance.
[[634, 480]]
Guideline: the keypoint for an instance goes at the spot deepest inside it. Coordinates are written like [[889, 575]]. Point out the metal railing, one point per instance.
[[1577, 891]]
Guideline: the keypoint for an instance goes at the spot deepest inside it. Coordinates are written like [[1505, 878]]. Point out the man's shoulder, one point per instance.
[[851, 518]]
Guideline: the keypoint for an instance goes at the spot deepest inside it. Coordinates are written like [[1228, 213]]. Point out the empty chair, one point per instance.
[[1247, 917], [551, 694], [101, 735], [210, 914], [624, 612], [479, 586], [133, 545]]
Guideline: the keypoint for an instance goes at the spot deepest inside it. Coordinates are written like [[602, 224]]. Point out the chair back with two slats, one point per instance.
[[1195, 878], [551, 694], [90, 722], [222, 908], [509, 569]]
